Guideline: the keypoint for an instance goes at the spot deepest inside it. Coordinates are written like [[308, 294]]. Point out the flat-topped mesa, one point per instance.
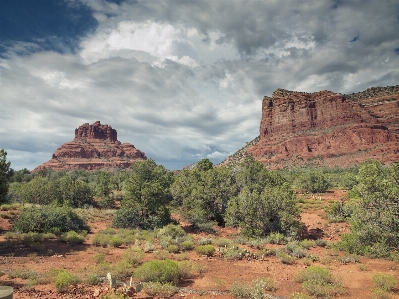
[[96, 131], [326, 128], [290, 112], [94, 147]]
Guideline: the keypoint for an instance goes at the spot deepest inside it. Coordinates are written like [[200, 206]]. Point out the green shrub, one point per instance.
[[186, 269], [276, 238], [64, 279], [384, 281], [313, 182], [307, 243], [162, 290], [172, 231], [295, 249], [297, 295], [208, 250], [162, 254], [93, 279], [205, 241], [23, 273], [72, 237], [253, 291], [172, 248], [286, 258], [133, 256], [99, 257], [158, 271], [319, 282], [381, 294], [240, 291], [233, 253], [49, 219], [187, 245], [222, 242]]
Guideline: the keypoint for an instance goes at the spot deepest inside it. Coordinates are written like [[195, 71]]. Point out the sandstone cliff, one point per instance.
[[94, 147], [326, 128]]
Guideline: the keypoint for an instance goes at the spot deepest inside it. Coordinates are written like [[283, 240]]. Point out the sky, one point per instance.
[[182, 80]]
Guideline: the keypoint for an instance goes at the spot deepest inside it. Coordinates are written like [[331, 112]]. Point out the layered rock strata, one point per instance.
[[327, 129], [94, 147]]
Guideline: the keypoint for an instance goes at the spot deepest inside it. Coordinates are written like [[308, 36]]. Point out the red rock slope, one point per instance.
[[94, 147], [326, 128]]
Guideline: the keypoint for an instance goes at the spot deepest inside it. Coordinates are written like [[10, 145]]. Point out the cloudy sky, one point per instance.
[[182, 80]]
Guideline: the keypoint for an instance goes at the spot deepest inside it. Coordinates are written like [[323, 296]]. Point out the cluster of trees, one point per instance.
[[248, 196]]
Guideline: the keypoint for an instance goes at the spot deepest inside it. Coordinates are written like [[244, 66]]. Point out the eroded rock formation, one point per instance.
[[94, 147], [326, 128]]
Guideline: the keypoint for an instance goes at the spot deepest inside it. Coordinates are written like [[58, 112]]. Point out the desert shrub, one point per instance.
[[319, 282], [258, 243], [307, 243], [158, 271], [286, 258], [321, 243], [208, 250], [162, 290], [133, 256], [93, 279], [72, 237], [374, 219], [338, 212], [108, 238], [23, 273], [298, 295], [49, 219], [260, 213], [162, 255], [99, 257], [172, 231], [233, 253], [384, 281], [276, 238], [173, 248], [208, 227], [121, 269], [269, 252], [64, 279], [131, 217], [313, 182], [186, 269], [204, 241], [254, 290], [222, 242], [187, 245], [381, 294], [295, 249], [240, 291]]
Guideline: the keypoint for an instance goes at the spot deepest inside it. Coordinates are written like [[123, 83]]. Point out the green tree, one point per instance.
[[204, 165], [203, 195], [313, 182], [4, 175], [73, 192], [375, 217], [259, 214], [147, 193], [103, 183]]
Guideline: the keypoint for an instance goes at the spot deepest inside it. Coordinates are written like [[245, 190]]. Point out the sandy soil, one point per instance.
[[219, 274]]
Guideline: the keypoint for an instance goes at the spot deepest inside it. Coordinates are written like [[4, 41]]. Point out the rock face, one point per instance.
[[326, 128], [94, 147]]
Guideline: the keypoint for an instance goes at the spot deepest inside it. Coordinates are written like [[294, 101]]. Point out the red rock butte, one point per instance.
[[94, 147], [326, 129]]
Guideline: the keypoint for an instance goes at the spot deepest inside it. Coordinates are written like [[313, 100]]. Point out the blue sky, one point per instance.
[[181, 80]]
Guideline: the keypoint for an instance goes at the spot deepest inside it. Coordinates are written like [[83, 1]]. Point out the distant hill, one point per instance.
[[326, 129]]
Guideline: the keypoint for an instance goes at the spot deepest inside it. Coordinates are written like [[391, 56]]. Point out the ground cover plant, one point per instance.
[[234, 257]]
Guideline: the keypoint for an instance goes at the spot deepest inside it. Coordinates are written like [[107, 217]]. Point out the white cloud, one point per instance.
[[182, 85]]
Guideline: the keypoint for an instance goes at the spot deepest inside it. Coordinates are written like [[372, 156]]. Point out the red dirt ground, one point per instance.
[[219, 274]]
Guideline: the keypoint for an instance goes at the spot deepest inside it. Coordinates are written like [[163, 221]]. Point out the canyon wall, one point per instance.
[[326, 129]]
